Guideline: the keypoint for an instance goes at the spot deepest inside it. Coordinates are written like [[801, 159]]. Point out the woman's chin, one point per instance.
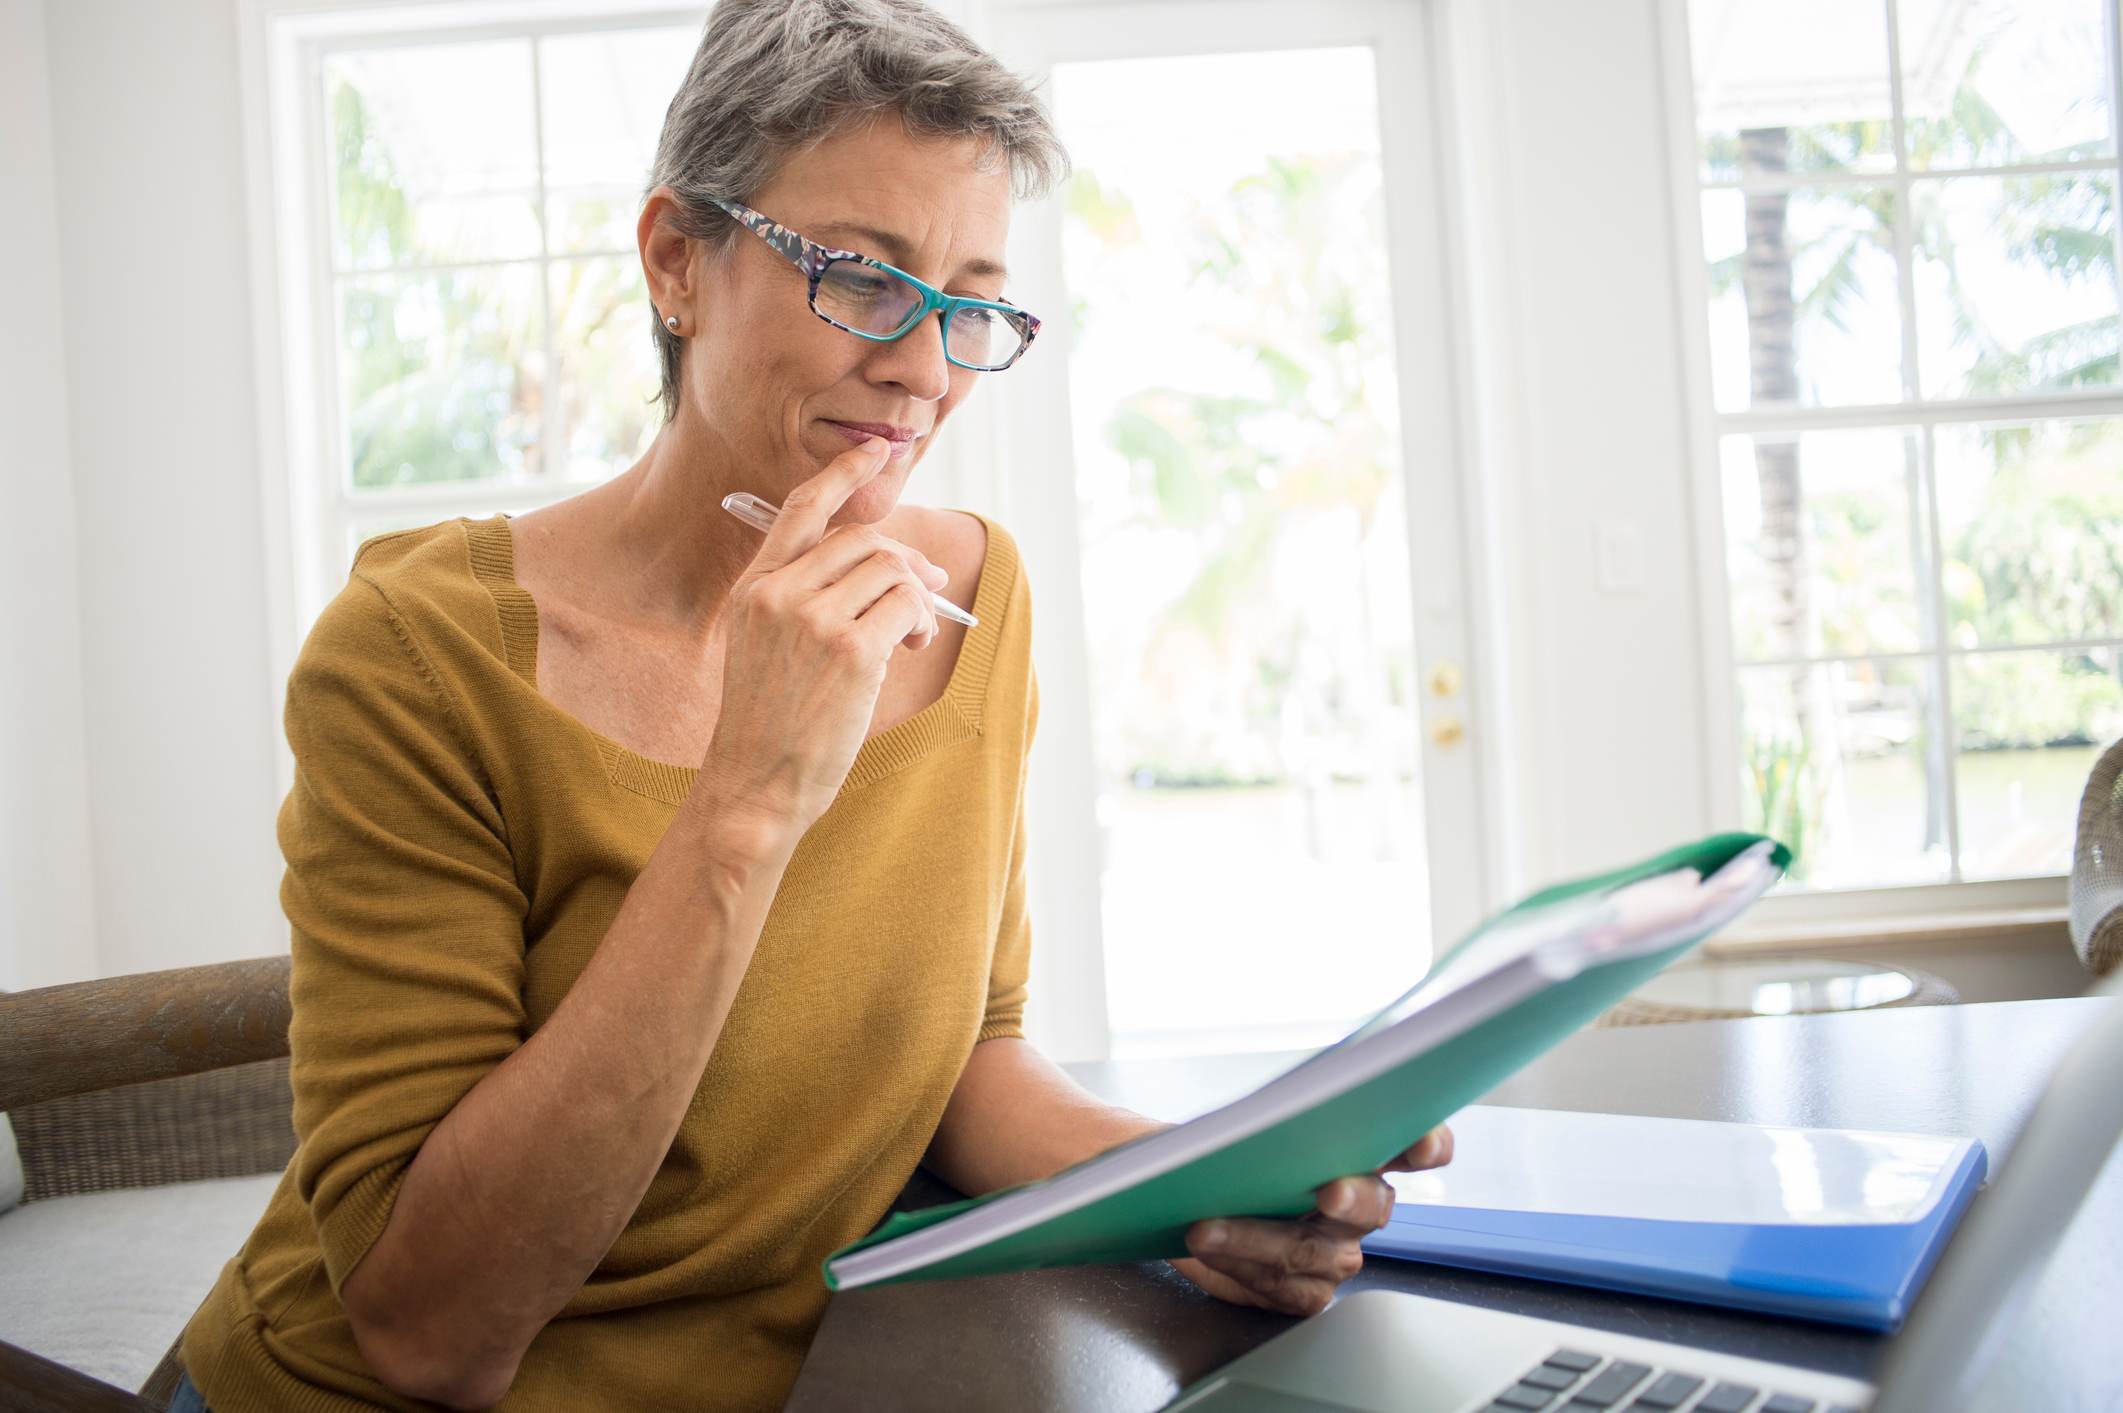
[[874, 499]]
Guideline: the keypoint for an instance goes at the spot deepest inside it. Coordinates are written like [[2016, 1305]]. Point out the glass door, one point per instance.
[[1272, 636]]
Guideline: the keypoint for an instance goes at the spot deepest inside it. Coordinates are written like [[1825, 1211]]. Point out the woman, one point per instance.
[[658, 891]]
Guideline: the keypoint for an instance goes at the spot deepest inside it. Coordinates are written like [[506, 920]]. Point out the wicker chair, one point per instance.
[[2097, 867], [137, 1081]]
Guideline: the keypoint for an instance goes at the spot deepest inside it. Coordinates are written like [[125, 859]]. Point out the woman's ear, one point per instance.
[[667, 260]]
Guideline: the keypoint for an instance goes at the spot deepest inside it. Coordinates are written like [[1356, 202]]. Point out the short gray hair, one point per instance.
[[773, 77]]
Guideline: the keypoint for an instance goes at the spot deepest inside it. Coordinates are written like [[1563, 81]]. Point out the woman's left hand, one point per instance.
[[1295, 1266]]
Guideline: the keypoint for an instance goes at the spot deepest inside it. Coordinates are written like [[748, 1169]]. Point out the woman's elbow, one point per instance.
[[407, 1363]]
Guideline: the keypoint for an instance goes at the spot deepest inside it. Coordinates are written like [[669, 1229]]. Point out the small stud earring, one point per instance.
[[670, 322]]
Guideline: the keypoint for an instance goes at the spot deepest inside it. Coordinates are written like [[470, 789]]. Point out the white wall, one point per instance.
[[1576, 423], [149, 502], [47, 910]]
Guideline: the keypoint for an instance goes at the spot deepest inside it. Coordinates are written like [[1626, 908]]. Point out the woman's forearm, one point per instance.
[[1016, 1116], [525, 1184]]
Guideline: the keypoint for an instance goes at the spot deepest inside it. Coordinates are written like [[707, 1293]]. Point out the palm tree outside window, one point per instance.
[[1910, 233]]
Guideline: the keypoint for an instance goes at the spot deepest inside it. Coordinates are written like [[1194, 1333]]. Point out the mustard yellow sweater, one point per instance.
[[457, 846]]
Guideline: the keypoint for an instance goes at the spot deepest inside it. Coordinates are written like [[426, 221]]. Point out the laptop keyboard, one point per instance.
[[1572, 1381]]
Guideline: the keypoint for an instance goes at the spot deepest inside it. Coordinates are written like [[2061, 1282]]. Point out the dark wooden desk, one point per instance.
[[1124, 1338]]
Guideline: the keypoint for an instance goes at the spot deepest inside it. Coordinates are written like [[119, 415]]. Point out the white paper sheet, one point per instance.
[[1613, 1165]]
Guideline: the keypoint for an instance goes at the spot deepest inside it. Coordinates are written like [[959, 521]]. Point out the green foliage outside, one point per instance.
[[1238, 470], [436, 386], [444, 373], [1783, 796], [2035, 553]]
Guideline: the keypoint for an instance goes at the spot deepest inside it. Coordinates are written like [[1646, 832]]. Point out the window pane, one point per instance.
[[1210, 892], [1803, 301], [434, 155], [608, 376], [2031, 519], [1822, 544], [1833, 762], [2028, 729], [1992, 82], [440, 377], [603, 98], [2016, 283], [1244, 537], [1812, 72], [598, 219]]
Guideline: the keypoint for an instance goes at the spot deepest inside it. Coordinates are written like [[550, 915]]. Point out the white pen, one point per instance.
[[760, 516]]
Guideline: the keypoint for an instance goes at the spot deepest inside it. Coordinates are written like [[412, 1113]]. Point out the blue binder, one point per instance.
[[1823, 1224]]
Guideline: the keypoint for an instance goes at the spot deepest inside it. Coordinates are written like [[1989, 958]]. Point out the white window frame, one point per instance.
[[1922, 906], [308, 511]]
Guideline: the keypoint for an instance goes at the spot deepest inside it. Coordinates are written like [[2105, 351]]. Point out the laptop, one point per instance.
[[1382, 1351]]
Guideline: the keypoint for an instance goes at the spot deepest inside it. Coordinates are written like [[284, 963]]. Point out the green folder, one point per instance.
[[1506, 993]]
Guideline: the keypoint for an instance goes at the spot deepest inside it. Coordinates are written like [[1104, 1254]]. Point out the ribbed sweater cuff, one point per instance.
[[278, 1391], [351, 1226]]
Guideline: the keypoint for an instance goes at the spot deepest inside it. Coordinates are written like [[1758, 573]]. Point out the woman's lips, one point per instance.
[[857, 434]]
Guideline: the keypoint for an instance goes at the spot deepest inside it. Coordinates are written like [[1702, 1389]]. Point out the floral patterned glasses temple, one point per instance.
[[876, 301]]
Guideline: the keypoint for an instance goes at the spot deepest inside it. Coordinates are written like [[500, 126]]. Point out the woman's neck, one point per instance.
[[663, 552]]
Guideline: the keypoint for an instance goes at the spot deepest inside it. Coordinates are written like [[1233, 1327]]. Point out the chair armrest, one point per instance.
[[91, 1035], [30, 1383]]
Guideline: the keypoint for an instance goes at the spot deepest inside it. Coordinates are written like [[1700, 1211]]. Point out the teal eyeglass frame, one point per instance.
[[812, 258]]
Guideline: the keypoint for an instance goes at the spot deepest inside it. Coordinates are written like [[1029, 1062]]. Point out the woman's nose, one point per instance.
[[915, 362]]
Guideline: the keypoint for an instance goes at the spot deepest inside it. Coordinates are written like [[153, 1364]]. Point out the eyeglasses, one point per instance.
[[874, 301]]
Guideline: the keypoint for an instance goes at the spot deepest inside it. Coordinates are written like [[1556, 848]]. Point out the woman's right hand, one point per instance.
[[812, 622]]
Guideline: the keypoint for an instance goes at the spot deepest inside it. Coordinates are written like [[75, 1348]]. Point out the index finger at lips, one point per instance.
[[802, 521]]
